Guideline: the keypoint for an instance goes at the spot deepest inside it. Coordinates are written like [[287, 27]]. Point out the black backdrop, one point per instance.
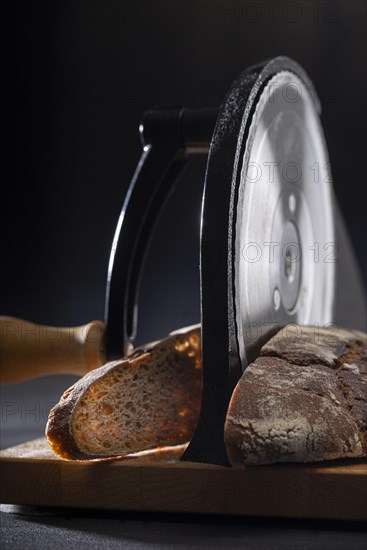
[[81, 75]]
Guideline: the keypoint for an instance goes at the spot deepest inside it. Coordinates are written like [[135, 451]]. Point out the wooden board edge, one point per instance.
[[213, 490]]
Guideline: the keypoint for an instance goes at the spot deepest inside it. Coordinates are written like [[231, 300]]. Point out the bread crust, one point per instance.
[[303, 400]]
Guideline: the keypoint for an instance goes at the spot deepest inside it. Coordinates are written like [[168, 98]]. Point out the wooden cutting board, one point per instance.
[[31, 474]]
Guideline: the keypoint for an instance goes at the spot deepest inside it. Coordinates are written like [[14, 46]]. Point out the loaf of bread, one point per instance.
[[147, 400], [303, 400]]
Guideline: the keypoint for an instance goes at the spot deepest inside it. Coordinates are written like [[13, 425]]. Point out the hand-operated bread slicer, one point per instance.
[[270, 252], [273, 247]]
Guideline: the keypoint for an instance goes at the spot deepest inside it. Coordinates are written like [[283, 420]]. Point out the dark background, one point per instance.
[[81, 75]]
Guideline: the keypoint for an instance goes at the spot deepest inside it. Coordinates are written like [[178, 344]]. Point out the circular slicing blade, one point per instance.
[[285, 251]]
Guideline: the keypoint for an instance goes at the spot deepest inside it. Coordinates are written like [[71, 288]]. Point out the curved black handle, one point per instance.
[[169, 136]]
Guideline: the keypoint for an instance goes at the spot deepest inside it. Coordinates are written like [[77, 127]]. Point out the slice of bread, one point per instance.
[[149, 399]]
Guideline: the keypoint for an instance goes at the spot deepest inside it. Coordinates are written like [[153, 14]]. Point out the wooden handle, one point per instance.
[[28, 350]]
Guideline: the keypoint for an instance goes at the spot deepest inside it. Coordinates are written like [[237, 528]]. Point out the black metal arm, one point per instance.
[[169, 136]]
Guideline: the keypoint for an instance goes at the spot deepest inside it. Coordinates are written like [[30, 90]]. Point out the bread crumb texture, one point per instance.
[[303, 400], [147, 400]]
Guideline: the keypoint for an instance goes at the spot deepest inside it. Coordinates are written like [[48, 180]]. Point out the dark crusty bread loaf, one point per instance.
[[149, 399], [303, 400]]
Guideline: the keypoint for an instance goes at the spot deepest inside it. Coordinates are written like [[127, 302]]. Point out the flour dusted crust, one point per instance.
[[303, 400], [149, 399]]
